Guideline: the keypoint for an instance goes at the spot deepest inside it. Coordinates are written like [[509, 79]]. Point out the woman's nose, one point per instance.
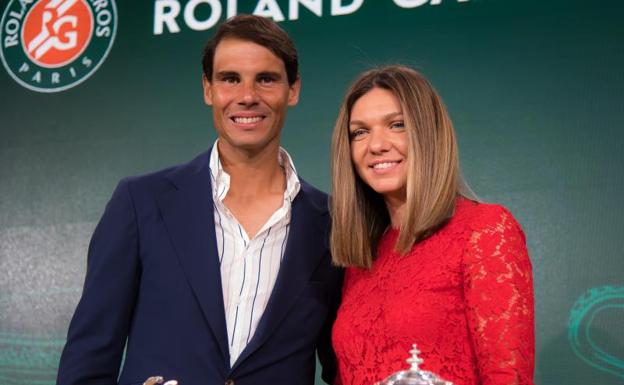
[[379, 141]]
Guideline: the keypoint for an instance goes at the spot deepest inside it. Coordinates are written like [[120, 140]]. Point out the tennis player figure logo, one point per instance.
[[53, 45], [57, 31]]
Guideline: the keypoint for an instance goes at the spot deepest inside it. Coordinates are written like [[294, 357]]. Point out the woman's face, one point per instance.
[[379, 143]]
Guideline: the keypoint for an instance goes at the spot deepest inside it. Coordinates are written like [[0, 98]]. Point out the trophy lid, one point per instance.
[[414, 375]]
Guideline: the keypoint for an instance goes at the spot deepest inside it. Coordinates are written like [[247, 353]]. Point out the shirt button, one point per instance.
[[229, 382]]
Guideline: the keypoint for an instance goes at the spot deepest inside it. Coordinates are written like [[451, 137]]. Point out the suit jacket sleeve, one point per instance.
[[99, 327], [325, 351]]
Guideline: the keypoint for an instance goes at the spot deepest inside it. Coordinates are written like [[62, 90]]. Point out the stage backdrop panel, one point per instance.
[[535, 89]]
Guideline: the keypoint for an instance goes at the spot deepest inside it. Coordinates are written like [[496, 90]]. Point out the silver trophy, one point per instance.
[[414, 375]]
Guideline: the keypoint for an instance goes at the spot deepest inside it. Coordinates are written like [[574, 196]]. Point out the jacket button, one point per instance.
[[229, 382]]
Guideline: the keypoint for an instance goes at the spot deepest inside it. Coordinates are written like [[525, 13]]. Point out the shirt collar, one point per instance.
[[221, 179]]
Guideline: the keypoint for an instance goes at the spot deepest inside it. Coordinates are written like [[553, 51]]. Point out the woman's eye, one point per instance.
[[357, 133], [398, 125]]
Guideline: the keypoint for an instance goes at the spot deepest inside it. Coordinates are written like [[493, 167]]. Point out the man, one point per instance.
[[216, 271]]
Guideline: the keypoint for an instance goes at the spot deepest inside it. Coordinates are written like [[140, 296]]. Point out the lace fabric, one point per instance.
[[464, 295]]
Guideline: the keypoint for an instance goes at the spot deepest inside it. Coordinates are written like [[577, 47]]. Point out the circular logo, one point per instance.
[[582, 331], [54, 45]]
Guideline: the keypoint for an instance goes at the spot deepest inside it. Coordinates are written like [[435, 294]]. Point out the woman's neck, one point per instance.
[[396, 210]]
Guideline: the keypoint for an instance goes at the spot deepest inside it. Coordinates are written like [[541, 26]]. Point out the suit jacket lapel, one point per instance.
[[301, 257], [187, 210]]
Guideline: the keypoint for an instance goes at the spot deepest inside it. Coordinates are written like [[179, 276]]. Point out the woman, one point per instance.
[[425, 264]]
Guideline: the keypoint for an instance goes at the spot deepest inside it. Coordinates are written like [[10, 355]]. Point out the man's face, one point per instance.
[[249, 94]]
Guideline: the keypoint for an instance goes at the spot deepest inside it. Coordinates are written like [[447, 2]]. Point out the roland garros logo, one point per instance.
[[53, 45]]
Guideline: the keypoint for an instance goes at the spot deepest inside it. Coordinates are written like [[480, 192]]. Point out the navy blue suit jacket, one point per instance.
[[153, 283]]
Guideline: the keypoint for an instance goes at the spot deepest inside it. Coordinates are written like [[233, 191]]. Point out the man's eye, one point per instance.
[[266, 80], [230, 79]]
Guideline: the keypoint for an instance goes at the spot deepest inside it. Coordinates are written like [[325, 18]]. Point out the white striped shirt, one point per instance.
[[249, 267]]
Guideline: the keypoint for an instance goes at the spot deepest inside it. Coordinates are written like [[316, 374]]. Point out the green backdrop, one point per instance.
[[535, 89]]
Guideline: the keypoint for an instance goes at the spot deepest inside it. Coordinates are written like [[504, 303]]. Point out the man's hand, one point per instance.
[[159, 380]]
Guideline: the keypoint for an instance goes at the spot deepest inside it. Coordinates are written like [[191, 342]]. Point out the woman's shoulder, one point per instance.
[[487, 218], [492, 235]]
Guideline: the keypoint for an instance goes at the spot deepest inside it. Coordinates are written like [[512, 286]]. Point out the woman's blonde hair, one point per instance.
[[359, 215]]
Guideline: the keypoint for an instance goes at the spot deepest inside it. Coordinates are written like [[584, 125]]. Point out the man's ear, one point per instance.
[[293, 92], [207, 90]]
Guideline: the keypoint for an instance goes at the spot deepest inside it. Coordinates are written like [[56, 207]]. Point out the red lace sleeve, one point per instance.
[[498, 289]]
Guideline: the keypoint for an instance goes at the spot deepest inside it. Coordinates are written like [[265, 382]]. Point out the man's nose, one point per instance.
[[249, 94]]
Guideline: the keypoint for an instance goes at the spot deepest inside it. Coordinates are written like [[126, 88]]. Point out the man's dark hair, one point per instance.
[[259, 30]]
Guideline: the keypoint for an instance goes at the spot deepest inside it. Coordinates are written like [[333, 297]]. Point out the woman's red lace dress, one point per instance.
[[463, 295]]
